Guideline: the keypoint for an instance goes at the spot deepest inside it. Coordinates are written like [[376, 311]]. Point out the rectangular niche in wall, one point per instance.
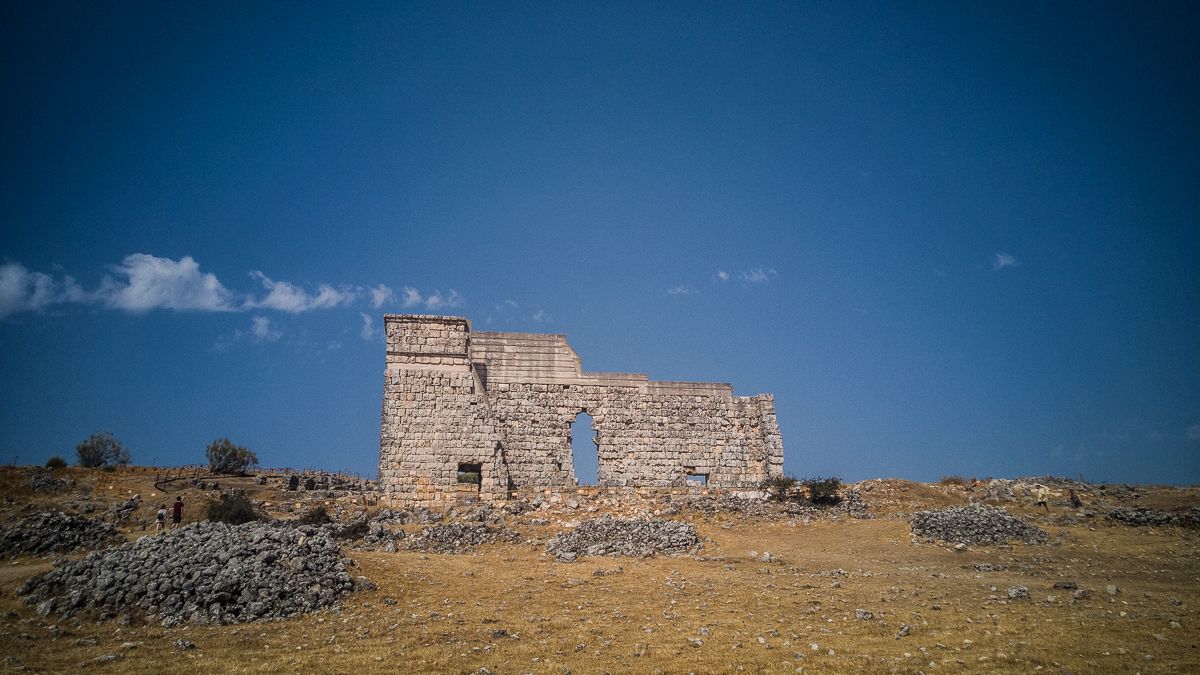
[[470, 474]]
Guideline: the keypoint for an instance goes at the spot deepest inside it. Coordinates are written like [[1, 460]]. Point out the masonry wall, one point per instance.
[[508, 401]]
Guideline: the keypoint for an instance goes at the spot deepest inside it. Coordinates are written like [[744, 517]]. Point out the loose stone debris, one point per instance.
[[44, 481], [1143, 517], [203, 573], [55, 532], [632, 538], [458, 537], [974, 524]]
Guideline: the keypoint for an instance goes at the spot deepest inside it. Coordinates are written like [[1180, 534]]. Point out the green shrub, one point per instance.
[[225, 456], [102, 449], [823, 491], [56, 462], [317, 516], [779, 487], [232, 508]]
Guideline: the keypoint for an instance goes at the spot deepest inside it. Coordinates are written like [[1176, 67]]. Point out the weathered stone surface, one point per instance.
[[634, 538], [974, 524], [203, 573], [505, 403], [457, 537], [1143, 517], [55, 532], [44, 481]]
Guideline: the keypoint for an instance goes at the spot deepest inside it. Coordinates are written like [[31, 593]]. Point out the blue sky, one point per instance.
[[950, 239]]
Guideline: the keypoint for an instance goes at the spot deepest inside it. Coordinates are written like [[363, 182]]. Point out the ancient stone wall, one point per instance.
[[508, 401]]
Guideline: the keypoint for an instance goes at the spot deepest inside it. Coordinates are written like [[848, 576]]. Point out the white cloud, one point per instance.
[[721, 275], [1193, 432], [161, 283], [381, 294], [288, 297], [540, 316], [758, 275], [262, 330], [1003, 260], [679, 290], [505, 306], [369, 331], [25, 291], [144, 282], [412, 297], [436, 300]]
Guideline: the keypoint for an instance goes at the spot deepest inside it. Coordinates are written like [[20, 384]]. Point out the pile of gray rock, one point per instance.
[[44, 481], [202, 573], [458, 537], [55, 532], [1142, 517], [974, 524], [635, 538]]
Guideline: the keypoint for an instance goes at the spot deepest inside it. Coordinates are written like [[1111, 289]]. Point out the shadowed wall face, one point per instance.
[[508, 402]]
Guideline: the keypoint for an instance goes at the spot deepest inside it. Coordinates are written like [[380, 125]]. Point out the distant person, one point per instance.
[[1076, 502], [1039, 496], [177, 513], [162, 518]]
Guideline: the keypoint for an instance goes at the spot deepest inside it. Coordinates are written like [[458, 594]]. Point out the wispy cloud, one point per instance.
[[370, 332], [142, 283], [436, 300], [758, 275], [288, 297], [540, 316], [411, 297], [1003, 261], [25, 291], [1193, 432], [381, 295], [262, 330], [721, 276], [147, 282], [680, 290]]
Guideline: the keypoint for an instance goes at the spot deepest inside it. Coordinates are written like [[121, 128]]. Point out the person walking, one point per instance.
[[162, 518], [177, 513], [1039, 496]]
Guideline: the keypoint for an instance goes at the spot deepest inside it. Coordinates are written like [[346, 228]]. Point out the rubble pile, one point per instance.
[[635, 538], [378, 537], [974, 524], [457, 537], [44, 481], [55, 532], [205, 572], [1143, 517]]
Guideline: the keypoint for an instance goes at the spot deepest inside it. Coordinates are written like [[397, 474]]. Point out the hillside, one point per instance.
[[774, 587]]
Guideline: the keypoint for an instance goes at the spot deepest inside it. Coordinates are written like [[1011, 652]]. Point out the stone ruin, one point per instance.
[[489, 414]]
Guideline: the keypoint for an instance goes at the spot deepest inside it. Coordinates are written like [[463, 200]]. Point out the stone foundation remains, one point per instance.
[[487, 414]]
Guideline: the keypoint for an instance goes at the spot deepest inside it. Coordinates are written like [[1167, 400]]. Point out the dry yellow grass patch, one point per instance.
[[513, 610]]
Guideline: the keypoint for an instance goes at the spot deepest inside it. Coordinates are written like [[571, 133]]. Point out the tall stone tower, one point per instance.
[[435, 415]]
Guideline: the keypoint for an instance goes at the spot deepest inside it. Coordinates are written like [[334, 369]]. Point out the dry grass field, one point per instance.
[[512, 609]]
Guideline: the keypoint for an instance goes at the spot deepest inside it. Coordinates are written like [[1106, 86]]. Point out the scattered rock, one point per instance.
[[1143, 517], [203, 573], [458, 537], [636, 538], [974, 524], [44, 481], [863, 615], [182, 645], [1018, 593], [55, 532]]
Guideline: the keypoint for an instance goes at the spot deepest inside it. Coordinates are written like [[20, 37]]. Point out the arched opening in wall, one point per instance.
[[585, 457]]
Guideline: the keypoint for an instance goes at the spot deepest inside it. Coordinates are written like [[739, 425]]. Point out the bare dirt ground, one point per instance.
[[510, 608]]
